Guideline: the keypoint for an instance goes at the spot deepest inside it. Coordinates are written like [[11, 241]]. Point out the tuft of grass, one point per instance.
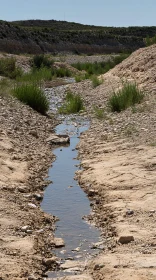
[[82, 77], [99, 112], [8, 68], [96, 81], [40, 61], [36, 76], [126, 97], [73, 104], [33, 96], [61, 72]]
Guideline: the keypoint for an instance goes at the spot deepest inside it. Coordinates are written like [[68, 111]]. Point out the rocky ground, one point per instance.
[[119, 172], [119, 175], [26, 232]]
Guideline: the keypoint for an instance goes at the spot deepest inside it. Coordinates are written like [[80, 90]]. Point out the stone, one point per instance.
[[59, 242], [92, 192], [126, 239], [58, 139], [50, 261], [129, 212], [75, 265], [38, 196], [25, 228], [31, 205]]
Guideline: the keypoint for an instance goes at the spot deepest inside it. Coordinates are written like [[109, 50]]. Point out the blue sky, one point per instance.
[[94, 12]]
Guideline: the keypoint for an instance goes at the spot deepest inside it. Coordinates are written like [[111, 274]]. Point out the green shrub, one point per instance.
[[82, 77], [73, 104], [95, 81], [61, 72], [8, 68], [98, 68], [36, 75], [126, 97], [40, 61], [33, 96], [150, 41]]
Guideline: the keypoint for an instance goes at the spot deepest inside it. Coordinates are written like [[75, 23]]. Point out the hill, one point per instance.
[[42, 36]]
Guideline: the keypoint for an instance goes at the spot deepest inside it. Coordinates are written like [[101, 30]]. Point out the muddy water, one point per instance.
[[65, 199]]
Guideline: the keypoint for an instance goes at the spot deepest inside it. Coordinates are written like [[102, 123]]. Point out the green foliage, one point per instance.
[[150, 41], [98, 68], [125, 97], [33, 96], [36, 75], [95, 81], [73, 104], [99, 112], [8, 68], [61, 72], [40, 61], [82, 77]]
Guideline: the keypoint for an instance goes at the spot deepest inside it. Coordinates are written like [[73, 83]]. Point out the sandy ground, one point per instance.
[[26, 232], [119, 173]]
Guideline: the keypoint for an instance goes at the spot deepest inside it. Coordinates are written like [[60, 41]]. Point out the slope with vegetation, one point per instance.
[[39, 36]]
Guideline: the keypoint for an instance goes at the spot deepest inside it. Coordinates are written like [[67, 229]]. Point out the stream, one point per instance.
[[65, 199]]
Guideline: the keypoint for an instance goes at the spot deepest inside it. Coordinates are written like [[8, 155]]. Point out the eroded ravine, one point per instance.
[[65, 199]]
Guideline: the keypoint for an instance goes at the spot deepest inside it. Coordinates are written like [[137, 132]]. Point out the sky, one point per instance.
[[92, 12]]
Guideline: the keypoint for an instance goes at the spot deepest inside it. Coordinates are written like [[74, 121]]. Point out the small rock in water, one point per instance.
[[38, 196], [76, 249], [59, 242]]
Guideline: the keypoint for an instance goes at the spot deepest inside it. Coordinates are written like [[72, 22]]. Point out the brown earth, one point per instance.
[[26, 232], [119, 172]]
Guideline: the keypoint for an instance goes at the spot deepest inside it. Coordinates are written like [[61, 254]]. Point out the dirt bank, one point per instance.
[[119, 160], [26, 233]]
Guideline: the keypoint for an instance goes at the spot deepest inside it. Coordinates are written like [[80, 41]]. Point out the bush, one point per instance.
[[73, 104], [36, 75], [98, 68], [8, 68], [150, 41], [126, 97], [33, 96], [95, 81], [61, 72], [40, 61]]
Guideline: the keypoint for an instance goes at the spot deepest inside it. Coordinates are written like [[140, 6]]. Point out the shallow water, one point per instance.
[[65, 199]]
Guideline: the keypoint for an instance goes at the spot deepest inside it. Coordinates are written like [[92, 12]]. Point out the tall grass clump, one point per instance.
[[33, 96], [73, 104], [36, 75], [40, 61], [96, 81], [125, 97], [61, 72], [8, 68]]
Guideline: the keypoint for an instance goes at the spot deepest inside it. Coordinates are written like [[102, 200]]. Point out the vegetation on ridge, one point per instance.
[[125, 97]]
